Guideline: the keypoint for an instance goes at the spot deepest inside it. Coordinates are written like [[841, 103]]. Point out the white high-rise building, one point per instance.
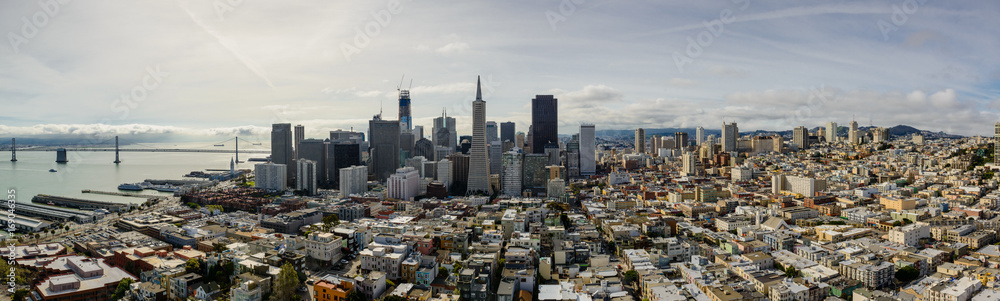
[[831, 132], [353, 180], [588, 150], [730, 136], [710, 144], [404, 184], [270, 176], [689, 163], [444, 172], [556, 188], [511, 176], [305, 178], [699, 135], [479, 161]]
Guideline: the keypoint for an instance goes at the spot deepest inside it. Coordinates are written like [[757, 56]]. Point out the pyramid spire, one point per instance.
[[479, 90]]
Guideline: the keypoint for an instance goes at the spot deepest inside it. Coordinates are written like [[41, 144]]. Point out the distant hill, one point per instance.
[[903, 130]]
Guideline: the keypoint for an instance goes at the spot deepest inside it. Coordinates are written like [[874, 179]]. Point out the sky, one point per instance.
[[215, 69]]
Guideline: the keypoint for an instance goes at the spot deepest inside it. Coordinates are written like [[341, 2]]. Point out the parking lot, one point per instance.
[[341, 270]]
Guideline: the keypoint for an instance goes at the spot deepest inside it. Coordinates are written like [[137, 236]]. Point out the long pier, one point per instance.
[[119, 194], [78, 203], [163, 150]]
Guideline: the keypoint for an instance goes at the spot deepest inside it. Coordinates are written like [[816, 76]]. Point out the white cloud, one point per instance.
[[286, 62], [453, 48]]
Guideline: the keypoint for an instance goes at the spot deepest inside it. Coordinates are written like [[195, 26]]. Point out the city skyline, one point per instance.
[[927, 71]]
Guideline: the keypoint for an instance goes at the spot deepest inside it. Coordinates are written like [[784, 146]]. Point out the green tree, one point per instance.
[[123, 288], [19, 295], [219, 247], [331, 219], [907, 274], [192, 266], [897, 223], [442, 272], [631, 276], [354, 295], [285, 284], [791, 272]]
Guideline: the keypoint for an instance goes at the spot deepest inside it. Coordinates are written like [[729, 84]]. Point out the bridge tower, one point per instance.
[[13, 150], [117, 160]]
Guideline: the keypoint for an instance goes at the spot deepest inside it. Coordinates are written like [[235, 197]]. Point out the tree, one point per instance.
[[907, 274], [123, 288], [442, 272], [219, 247], [557, 206], [354, 295], [791, 272], [192, 266], [19, 295], [897, 223], [331, 219], [285, 284], [631, 276], [907, 221], [389, 283]]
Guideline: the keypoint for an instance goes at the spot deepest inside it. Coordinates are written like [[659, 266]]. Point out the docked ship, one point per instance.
[[130, 187]]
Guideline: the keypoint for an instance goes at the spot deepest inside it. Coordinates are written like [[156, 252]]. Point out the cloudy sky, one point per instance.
[[224, 67]]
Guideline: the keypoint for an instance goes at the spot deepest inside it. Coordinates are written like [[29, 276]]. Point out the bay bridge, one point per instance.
[[102, 146]]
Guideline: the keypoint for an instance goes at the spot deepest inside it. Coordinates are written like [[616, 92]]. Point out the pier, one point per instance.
[[78, 203], [120, 194]]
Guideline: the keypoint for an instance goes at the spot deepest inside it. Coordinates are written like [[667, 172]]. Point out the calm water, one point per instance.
[[95, 171]]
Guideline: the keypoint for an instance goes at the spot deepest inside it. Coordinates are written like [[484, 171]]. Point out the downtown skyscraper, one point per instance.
[[588, 147], [730, 136], [479, 165], [405, 120], [800, 136], [281, 148], [831, 132], [699, 136], [444, 134], [507, 132], [384, 147], [544, 122], [640, 141]]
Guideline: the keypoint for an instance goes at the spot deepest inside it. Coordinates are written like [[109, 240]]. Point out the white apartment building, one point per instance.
[[382, 259], [909, 235], [404, 184], [324, 246], [270, 176]]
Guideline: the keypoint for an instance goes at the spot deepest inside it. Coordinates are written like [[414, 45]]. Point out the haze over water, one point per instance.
[[95, 171]]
